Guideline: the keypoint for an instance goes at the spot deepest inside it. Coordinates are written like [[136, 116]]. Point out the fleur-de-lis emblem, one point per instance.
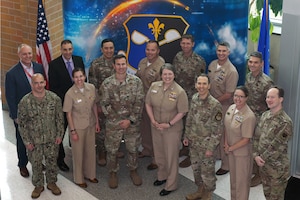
[[156, 28]]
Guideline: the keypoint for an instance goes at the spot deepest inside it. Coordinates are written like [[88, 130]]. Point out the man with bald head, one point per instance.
[[272, 134], [41, 126], [17, 84]]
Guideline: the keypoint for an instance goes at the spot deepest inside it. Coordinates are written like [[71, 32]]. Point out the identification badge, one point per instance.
[[239, 118]]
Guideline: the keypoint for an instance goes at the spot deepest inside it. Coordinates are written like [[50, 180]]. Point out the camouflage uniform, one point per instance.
[[274, 132], [203, 130], [258, 87], [100, 70], [119, 102], [40, 123], [187, 70]]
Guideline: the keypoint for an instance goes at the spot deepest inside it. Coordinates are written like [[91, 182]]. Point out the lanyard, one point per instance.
[[27, 73]]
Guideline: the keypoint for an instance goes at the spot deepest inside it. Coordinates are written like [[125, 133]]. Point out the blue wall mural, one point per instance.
[[131, 23]]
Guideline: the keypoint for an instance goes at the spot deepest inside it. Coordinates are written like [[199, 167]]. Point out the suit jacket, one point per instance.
[[59, 78], [17, 86]]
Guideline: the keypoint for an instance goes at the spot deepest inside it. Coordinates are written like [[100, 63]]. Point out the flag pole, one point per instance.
[[43, 43], [264, 37]]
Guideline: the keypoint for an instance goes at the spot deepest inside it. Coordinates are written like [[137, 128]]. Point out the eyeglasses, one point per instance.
[[238, 96]]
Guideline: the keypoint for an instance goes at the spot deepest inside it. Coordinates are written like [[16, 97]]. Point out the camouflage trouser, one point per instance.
[[274, 180], [203, 168], [50, 152], [113, 138], [101, 137]]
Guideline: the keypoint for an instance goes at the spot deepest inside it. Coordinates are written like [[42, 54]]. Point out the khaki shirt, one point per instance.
[[151, 73], [222, 80], [167, 104], [80, 104], [239, 125]]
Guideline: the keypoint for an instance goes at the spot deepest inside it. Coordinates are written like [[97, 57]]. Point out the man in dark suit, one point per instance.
[[60, 80], [17, 85]]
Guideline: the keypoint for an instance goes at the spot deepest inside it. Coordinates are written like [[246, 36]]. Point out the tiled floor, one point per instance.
[[14, 187]]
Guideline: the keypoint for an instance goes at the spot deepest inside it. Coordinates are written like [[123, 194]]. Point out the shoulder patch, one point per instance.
[[218, 116]]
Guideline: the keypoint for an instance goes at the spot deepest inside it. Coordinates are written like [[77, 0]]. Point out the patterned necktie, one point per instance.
[[69, 68]]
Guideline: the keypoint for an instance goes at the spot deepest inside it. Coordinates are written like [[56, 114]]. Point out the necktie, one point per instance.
[[69, 68]]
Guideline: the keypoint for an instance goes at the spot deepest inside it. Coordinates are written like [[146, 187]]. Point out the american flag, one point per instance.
[[43, 44]]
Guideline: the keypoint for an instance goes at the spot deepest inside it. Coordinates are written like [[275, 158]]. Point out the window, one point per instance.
[[276, 20]]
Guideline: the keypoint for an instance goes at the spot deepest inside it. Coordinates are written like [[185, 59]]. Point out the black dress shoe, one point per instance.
[[164, 192], [221, 172], [24, 172], [63, 166], [158, 183]]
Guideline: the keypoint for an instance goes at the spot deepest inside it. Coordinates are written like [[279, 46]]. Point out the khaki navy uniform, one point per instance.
[[148, 75], [166, 143], [240, 124], [222, 80], [80, 104]]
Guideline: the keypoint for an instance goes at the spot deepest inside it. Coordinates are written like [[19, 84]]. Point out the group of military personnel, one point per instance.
[[214, 92], [123, 116]]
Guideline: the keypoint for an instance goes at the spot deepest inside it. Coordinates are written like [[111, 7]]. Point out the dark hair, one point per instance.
[[202, 75], [244, 89], [78, 69], [256, 54], [223, 43], [188, 36], [168, 66], [65, 42], [119, 56], [153, 41], [107, 40], [280, 90]]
